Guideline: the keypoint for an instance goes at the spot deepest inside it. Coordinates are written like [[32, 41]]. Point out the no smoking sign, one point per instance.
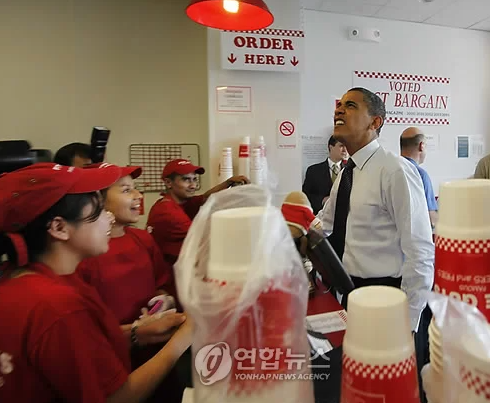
[[286, 133]]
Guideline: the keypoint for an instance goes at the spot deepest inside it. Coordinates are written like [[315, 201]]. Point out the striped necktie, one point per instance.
[[335, 172]]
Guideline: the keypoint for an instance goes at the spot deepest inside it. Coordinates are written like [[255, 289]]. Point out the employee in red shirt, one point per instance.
[[171, 216], [59, 340], [131, 273]]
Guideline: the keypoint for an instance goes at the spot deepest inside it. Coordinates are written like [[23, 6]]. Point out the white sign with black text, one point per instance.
[[233, 99]]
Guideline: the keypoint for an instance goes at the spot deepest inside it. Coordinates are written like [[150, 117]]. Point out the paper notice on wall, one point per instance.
[[432, 142], [477, 146], [233, 99], [314, 149]]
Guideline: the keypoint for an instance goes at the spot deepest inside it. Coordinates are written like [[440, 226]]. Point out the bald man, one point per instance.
[[413, 148]]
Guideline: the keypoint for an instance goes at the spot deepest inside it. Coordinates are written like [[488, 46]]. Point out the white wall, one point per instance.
[[275, 95], [138, 67], [461, 55]]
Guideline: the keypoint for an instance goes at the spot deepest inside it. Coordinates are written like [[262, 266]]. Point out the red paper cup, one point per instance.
[[463, 271], [462, 255], [389, 383], [379, 363]]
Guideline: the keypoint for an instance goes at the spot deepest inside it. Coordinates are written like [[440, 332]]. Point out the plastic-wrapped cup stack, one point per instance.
[[257, 317], [226, 164], [435, 349], [379, 362], [257, 167], [244, 157]]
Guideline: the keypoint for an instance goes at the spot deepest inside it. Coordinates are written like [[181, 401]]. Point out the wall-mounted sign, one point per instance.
[[286, 133], [266, 49], [409, 98], [234, 99]]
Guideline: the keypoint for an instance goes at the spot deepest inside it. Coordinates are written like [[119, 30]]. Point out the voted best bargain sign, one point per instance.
[[409, 98]]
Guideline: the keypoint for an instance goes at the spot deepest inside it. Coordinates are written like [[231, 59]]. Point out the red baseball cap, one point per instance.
[[181, 167], [27, 193], [133, 171]]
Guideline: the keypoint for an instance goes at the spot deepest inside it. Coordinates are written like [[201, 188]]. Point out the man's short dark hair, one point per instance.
[[332, 142], [66, 154], [411, 142], [375, 105]]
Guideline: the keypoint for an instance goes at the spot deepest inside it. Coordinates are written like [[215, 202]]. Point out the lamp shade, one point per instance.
[[233, 15]]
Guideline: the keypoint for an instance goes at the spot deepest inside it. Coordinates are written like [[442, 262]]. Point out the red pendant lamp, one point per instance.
[[232, 15]]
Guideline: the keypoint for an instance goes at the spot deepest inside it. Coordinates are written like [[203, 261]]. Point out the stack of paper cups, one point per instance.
[[257, 167], [226, 164], [435, 348], [261, 145], [462, 256], [244, 157], [269, 329], [474, 371], [379, 362]]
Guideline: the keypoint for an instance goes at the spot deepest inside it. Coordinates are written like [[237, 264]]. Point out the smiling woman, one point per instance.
[[130, 274]]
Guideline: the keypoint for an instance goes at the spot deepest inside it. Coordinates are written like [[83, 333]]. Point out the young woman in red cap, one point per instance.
[[59, 340], [130, 274], [171, 216]]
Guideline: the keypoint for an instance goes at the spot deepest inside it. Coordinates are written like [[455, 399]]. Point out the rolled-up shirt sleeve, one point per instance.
[[327, 213], [408, 207]]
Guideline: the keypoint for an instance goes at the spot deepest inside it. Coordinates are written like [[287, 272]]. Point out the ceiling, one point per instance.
[[468, 14]]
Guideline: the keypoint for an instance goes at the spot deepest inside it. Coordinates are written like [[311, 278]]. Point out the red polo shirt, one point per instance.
[[129, 274], [169, 222], [58, 342]]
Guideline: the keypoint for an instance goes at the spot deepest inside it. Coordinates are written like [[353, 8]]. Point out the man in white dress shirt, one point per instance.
[[387, 233]]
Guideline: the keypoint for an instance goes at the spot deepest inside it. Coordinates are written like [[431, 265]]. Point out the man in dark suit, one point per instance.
[[319, 178]]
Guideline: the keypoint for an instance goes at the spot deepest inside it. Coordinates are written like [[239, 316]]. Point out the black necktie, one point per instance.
[[342, 206]]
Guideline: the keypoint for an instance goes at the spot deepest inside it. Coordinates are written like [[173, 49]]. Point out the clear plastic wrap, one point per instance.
[[459, 339], [241, 279]]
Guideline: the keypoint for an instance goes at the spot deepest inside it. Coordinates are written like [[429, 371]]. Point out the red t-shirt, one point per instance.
[[129, 274], [58, 341], [169, 223]]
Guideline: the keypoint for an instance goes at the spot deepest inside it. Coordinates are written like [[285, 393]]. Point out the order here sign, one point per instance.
[[266, 49]]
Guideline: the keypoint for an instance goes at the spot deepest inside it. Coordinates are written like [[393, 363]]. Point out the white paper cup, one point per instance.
[[378, 319], [226, 158], [257, 177], [463, 209], [225, 174], [379, 354]]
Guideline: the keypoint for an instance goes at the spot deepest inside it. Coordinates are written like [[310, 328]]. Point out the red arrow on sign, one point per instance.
[[294, 61], [232, 59]]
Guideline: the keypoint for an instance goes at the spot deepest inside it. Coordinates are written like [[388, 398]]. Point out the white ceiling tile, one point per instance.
[[472, 14], [403, 13], [482, 25], [369, 2], [417, 4], [312, 4], [350, 7], [462, 13]]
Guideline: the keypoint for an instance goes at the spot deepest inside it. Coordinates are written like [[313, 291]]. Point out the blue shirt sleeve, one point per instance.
[[429, 191]]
